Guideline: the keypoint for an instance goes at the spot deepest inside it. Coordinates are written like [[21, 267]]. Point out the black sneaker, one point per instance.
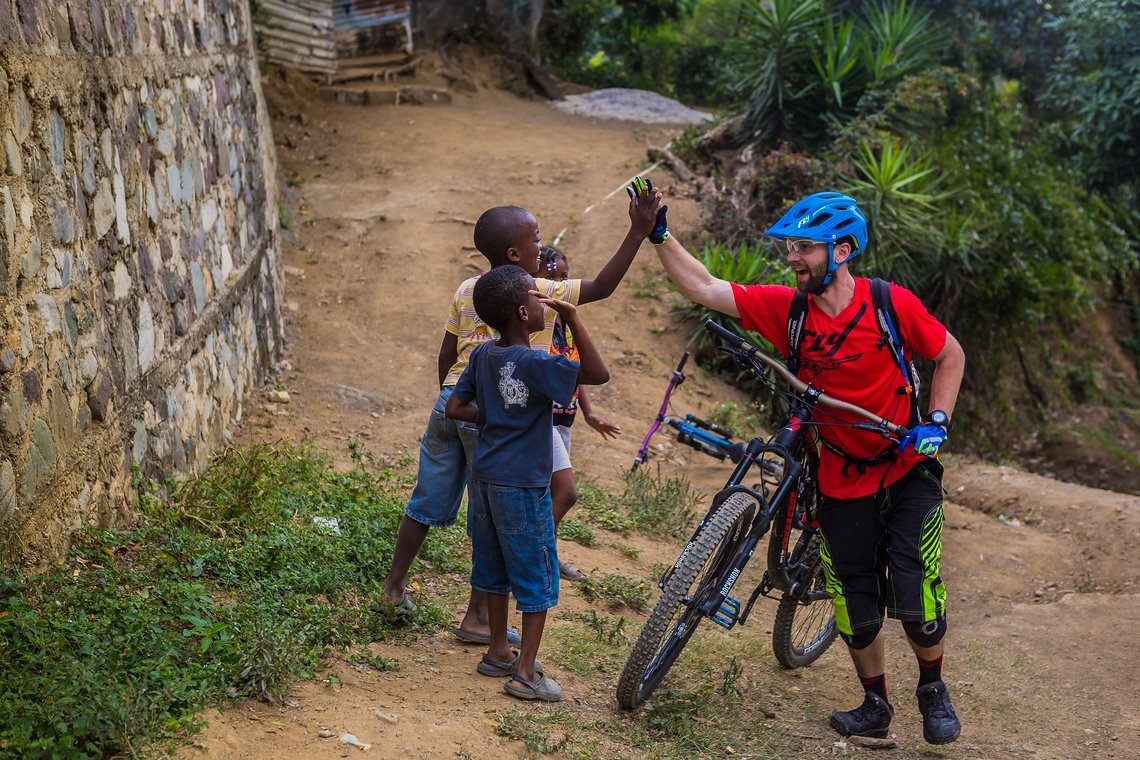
[[940, 724], [872, 718]]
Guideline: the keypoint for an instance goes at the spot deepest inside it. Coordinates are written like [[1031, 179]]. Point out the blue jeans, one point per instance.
[[446, 452], [512, 535]]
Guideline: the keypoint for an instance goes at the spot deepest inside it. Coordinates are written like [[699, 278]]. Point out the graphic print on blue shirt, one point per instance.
[[514, 388]]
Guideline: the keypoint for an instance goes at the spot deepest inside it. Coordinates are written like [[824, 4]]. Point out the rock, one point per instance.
[[13, 154], [326, 733], [32, 387], [387, 717], [87, 368], [7, 489], [9, 219], [49, 312], [279, 397], [21, 113], [146, 335], [122, 281], [99, 397], [31, 260], [103, 208], [63, 223], [55, 134], [7, 360], [139, 442], [41, 458]]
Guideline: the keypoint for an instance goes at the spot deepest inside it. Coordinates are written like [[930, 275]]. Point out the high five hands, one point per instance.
[[645, 210]]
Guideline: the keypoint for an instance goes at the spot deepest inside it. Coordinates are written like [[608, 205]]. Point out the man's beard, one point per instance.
[[814, 280]]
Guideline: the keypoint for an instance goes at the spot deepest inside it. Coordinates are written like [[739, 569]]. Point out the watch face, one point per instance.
[[938, 417]]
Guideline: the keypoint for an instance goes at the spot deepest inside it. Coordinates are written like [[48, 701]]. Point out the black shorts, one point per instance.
[[883, 552]]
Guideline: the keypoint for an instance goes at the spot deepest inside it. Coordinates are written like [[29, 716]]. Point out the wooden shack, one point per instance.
[[327, 37]]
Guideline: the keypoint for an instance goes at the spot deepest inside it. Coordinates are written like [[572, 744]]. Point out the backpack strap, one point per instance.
[[887, 321], [797, 317]]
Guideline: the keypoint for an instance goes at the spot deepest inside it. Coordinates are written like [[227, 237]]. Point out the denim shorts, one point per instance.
[[446, 453], [512, 536]]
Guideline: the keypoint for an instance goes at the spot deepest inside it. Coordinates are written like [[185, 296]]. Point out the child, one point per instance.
[[504, 235], [507, 389], [563, 490]]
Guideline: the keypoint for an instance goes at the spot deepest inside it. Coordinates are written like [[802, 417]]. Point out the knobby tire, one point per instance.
[[660, 641], [803, 632]]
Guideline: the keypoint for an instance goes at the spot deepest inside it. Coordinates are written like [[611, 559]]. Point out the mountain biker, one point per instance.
[[881, 513]]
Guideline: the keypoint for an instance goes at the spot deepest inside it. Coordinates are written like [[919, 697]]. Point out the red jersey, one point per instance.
[[841, 356]]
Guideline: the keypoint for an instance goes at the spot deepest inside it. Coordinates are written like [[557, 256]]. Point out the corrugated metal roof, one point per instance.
[[303, 33]]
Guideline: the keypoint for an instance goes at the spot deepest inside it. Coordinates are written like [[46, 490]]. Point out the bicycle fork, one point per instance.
[[722, 608]]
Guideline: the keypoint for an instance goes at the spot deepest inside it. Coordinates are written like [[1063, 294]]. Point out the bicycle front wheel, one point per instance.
[[804, 629], [677, 613]]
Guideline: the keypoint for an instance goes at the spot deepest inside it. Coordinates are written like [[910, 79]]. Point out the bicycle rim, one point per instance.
[[677, 613], [802, 632]]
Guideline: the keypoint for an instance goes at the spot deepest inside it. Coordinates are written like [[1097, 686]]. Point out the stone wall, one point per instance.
[[140, 274]]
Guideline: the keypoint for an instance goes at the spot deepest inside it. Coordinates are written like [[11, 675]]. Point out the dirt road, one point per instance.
[[1045, 603]]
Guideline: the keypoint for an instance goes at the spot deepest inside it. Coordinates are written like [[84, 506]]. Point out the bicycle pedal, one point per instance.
[[728, 613]]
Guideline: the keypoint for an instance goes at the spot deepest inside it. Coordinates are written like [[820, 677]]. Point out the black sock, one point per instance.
[[929, 671], [877, 685]]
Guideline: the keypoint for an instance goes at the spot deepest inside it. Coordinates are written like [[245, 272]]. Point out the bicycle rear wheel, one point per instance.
[[677, 613], [804, 629]]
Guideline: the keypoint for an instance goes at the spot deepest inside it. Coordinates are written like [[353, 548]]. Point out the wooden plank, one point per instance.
[[316, 8], [381, 59], [283, 14], [315, 42]]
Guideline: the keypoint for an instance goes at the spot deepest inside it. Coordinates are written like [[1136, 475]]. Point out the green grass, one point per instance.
[[236, 585], [632, 552], [575, 530], [592, 644], [651, 502], [616, 589]]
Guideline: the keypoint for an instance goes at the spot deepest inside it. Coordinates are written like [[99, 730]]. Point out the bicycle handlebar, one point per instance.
[[681, 364], [743, 346]]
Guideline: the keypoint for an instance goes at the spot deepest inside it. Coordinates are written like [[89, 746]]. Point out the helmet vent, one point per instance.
[[819, 220]]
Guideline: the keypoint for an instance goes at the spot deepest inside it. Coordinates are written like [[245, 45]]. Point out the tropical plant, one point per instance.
[[774, 65]]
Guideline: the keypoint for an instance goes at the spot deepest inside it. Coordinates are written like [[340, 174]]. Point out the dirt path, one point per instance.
[[1045, 605]]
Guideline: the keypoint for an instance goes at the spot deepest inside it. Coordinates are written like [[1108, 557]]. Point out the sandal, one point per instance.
[[545, 689], [514, 638], [497, 668], [568, 572]]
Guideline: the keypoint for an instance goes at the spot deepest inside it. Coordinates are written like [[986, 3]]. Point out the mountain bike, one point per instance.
[[700, 583], [701, 435]]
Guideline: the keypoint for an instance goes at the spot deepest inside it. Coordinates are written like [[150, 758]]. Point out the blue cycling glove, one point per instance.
[[925, 439], [660, 231]]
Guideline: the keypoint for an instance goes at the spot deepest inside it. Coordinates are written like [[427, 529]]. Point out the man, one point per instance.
[[881, 511]]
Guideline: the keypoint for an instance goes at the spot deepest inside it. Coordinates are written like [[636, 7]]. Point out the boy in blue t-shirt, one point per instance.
[[507, 390]]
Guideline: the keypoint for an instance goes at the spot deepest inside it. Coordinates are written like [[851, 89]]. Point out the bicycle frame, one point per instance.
[[674, 383], [784, 445]]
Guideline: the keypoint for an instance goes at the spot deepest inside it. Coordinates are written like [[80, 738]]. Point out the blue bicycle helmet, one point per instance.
[[824, 217]]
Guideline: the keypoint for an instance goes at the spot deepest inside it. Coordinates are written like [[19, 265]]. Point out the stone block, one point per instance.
[[172, 288], [7, 360], [32, 387], [146, 335], [7, 489], [103, 208], [99, 397], [49, 313], [64, 226], [87, 369], [13, 154], [41, 458], [55, 135], [31, 259], [21, 113]]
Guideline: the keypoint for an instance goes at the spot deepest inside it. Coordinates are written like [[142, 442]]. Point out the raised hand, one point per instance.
[[644, 205]]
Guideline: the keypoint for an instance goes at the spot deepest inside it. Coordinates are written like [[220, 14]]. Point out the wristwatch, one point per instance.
[[941, 419]]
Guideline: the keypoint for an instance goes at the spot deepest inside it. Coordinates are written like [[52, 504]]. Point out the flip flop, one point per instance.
[[497, 668], [405, 606], [514, 638], [545, 689], [568, 572]]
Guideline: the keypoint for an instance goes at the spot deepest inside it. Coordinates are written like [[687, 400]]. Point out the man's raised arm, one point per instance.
[[693, 279]]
